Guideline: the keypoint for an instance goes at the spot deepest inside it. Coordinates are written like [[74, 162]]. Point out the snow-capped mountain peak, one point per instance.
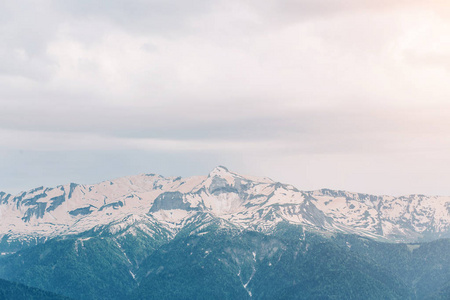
[[243, 202], [219, 171]]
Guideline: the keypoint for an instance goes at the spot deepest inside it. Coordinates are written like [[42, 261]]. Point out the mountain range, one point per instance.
[[224, 235]]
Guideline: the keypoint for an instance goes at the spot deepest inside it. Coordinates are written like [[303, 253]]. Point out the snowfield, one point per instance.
[[149, 201]]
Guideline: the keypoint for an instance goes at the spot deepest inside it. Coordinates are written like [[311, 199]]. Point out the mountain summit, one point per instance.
[[233, 200]]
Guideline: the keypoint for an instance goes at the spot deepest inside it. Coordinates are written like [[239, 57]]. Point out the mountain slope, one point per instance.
[[218, 262], [212, 258], [246, 202], [13, 291], [223, 236], [91, 269], [252, 265]]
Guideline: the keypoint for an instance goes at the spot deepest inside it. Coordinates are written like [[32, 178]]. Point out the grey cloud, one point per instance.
[[165, 16], [154, 16], [301, 131], [28, 27], [314, 7], [25, 31], [291, 11]]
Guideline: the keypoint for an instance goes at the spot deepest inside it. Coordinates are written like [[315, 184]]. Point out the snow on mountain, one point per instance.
[[157, 205]]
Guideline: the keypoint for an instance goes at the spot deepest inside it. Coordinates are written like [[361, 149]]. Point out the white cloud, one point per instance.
[[257, 79]]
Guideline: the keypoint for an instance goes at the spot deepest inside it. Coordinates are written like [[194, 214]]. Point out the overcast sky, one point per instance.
[[350, 94]]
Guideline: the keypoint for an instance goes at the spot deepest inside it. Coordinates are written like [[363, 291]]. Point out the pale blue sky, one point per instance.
[[341, 94]]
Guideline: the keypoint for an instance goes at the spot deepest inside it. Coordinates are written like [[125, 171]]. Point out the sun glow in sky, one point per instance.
[[348, 95]]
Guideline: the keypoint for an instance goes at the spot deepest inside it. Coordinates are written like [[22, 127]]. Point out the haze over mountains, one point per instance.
[[241, 236]]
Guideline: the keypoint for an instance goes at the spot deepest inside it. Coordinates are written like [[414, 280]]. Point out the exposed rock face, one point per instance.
[[238, 201]]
